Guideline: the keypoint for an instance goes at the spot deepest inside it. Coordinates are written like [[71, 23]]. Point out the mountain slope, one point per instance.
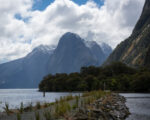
[[97, 52], [72, 53], [134, 51], [106, 49], [26, 72], [100, 52]]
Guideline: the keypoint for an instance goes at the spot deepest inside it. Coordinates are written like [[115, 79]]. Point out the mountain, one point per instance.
[[106, 49], [73, 52], [26, 72], [100, 52], [135, 50]]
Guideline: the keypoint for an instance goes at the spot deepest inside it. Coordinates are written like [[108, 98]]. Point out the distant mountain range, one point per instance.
[[70, 55], [28, 71], [135, 50]]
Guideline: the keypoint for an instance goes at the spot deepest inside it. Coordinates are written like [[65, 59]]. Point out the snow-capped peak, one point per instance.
[[90, 44], [106, 48], [45, 49]]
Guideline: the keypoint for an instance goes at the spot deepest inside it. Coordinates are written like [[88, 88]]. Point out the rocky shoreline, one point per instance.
[[93, 106], [111, 107]]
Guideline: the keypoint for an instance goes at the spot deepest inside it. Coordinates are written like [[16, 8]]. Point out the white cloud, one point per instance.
[[111, 23]]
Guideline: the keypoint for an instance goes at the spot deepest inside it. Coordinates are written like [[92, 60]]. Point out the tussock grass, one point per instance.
[[74, 106], [47, 114], [77, 100], [37, 116], [46, 105], [29, 107], [21, 109], [65, 98], [18, 116], [38, 105], [6, 108], [62, 108]]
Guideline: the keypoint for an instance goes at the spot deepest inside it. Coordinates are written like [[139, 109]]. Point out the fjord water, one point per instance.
[[139, 106], [14, 97]]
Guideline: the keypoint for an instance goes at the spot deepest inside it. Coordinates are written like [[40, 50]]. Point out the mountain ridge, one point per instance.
[[68, 56], [72, 53], [26, 71], [133, 50]]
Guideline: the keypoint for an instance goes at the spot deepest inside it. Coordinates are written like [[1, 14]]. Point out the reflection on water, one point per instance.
[[139, 106], [15, 96]]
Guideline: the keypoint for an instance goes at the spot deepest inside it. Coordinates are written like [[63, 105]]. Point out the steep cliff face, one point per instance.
[[134, 50], [72, 53]]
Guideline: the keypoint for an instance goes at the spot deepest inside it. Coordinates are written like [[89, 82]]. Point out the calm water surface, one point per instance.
[[139, 106], [15, 96]]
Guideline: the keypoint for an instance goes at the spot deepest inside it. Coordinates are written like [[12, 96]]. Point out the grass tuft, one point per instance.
[[37, 116], [47, 115], [21, 108], [38, 105], [6, 108], [18, 116]]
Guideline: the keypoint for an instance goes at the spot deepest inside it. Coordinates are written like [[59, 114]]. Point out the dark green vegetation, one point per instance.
[[115, 77], [135, 50]]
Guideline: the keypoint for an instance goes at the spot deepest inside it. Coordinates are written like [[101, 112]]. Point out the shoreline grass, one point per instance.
[[62, 107]]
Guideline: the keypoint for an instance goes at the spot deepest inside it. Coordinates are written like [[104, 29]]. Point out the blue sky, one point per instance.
[[42, 4]]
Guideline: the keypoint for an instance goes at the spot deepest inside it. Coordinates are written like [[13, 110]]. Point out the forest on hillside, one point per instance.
[[116, 77]]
